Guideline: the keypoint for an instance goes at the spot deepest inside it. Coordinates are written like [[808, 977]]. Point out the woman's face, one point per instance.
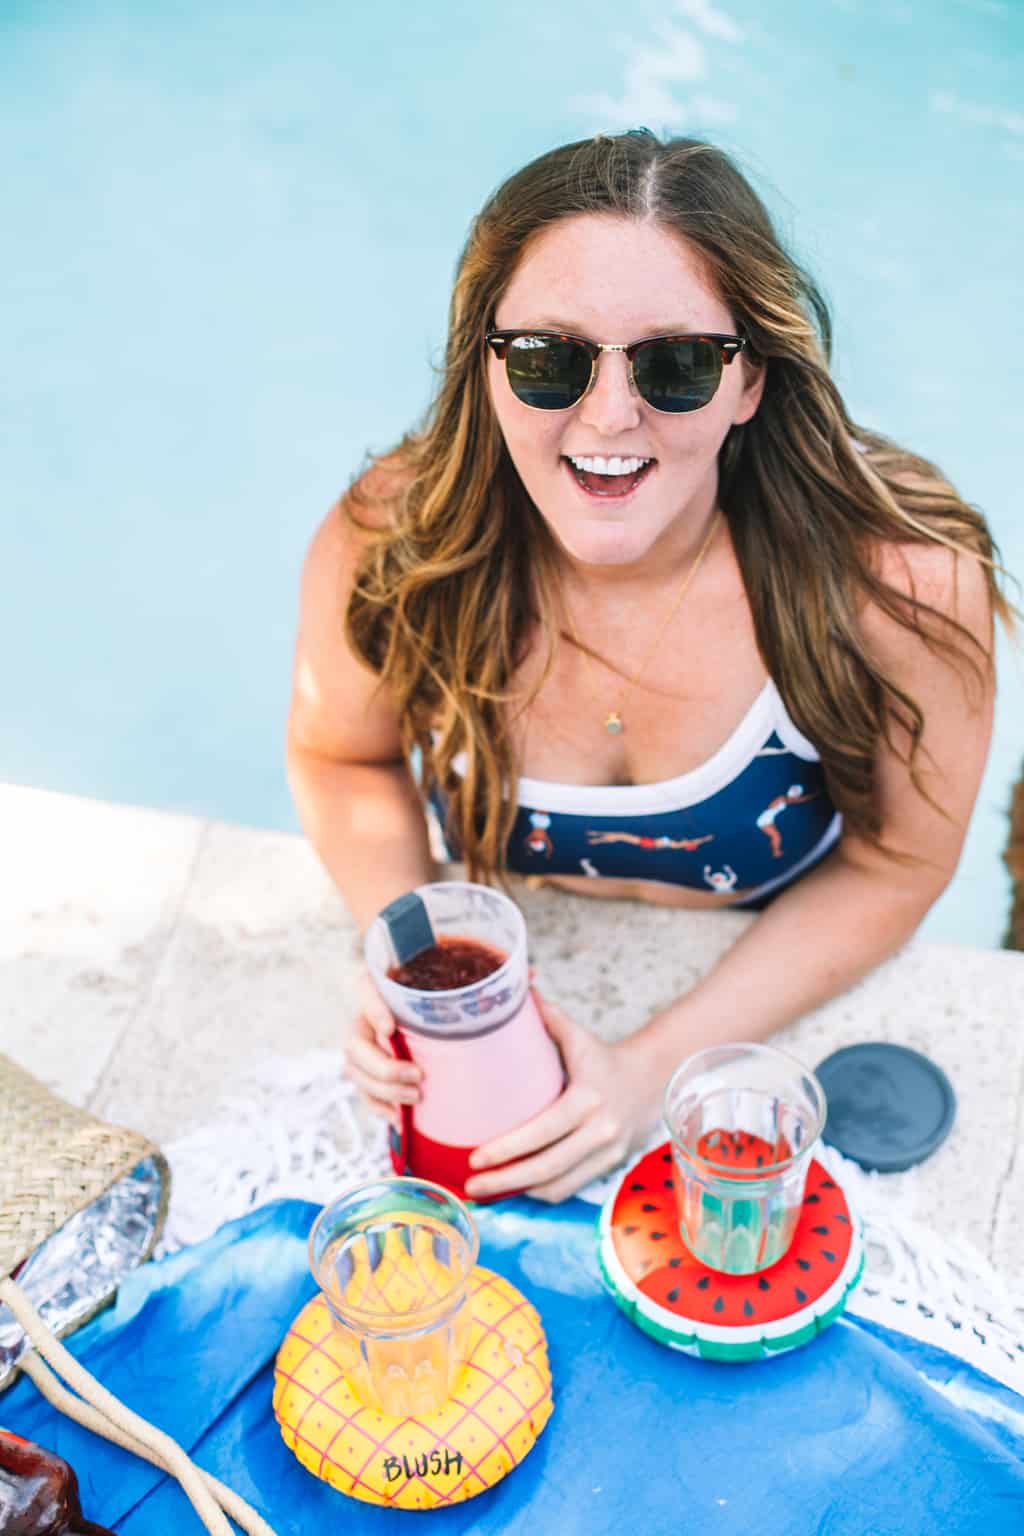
[[614, 279]]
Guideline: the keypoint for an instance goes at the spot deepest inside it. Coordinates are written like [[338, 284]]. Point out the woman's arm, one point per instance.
[[821, 934], [839, 922], [354, 793], [355, 796]]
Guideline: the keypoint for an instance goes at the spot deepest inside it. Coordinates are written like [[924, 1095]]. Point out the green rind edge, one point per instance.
[[734, 1354], [673, 1337]]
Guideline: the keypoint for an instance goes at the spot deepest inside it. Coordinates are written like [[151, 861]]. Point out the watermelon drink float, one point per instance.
[[450, 961], [743, 1121], [731, 1241]]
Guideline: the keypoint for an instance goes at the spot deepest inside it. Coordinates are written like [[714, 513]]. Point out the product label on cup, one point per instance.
[[446, 1011]]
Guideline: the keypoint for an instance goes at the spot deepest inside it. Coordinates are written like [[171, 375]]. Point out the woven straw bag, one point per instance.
[[55, 1160]]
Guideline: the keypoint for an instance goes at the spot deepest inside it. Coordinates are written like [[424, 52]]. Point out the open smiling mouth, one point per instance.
[[612, 478]]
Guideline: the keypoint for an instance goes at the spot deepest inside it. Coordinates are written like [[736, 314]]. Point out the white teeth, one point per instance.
[[612, 466]]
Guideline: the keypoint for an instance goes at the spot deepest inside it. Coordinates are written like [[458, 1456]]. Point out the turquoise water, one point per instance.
[[228, 237]]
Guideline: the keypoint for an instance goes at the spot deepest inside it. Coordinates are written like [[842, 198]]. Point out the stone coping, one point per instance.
[[147, 958]]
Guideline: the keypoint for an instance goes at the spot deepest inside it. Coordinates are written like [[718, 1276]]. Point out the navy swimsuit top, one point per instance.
[[750, 819]]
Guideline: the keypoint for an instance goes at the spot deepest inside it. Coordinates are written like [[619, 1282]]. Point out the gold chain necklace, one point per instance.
[[613, 721]]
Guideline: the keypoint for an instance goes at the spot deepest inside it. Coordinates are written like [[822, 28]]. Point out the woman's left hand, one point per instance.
[[609, 1104]]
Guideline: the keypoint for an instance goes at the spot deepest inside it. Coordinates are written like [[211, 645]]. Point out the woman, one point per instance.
[[661, 619]]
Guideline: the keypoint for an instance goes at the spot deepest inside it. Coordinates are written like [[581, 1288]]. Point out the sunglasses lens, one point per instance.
[[547, 372], [677, 375]]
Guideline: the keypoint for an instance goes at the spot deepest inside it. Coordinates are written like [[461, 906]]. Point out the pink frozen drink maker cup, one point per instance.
[[449, 959]]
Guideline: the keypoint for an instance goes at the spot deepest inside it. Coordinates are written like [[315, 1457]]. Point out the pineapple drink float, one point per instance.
[[730, 1240], [450, 961], [416, 1378]]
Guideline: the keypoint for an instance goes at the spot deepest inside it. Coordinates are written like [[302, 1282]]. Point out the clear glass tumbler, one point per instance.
[[744, 1120], [393, 1260]]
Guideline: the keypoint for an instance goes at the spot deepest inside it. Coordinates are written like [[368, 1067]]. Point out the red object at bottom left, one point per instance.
[[39, 1493]]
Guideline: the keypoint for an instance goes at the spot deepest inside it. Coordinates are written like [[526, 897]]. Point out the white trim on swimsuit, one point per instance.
[[767, 714], [827, 840]]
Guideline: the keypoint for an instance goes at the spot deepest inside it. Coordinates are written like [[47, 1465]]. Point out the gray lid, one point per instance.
[[409, 926], [888, 1107]]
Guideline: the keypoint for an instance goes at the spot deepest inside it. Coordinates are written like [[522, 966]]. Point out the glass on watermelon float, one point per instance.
[[744, 1120], [731, 1241]]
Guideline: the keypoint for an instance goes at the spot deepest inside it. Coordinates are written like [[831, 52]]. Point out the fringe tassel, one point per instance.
[[293, 1130]]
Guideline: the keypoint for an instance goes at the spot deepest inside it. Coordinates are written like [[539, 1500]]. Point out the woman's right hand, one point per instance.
[[385, 1082]]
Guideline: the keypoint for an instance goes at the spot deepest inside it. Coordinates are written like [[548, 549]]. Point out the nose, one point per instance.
[[612, 404]]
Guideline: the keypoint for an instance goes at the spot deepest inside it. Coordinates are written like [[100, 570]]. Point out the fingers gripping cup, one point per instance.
[[450, 961], [744, 1120], [393, 1260]]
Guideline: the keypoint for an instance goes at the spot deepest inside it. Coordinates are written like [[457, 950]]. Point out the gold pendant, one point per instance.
[[613, 725]]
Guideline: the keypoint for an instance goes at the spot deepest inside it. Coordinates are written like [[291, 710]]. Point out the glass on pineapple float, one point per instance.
[[393, 1260]]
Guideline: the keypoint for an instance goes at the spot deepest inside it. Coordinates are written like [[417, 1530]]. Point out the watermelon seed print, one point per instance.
[[699, 1309]]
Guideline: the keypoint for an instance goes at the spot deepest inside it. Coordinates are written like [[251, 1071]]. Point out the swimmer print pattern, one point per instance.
[[751, 818], [538, 839]]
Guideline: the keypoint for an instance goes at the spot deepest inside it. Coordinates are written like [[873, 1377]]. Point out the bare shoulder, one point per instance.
[[953, 583], [925, 808], [338, 708], [365, 508], [339, 543], [331, 561]]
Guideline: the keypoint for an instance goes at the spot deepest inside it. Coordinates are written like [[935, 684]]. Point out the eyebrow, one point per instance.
[[568, 328]]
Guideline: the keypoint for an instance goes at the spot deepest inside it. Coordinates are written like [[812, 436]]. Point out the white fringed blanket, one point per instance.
[[292, 1130]]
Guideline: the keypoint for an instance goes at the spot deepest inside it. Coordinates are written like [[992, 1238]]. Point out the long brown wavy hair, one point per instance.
[[459, 564]]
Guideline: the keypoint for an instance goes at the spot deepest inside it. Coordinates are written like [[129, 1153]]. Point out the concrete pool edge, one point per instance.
[[149, 957]]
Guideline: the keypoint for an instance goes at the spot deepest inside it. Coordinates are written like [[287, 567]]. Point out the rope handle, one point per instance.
[[99, 1410], [89, 1417]]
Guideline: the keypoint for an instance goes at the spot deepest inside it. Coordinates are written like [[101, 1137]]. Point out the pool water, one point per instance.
[[228, 237]]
